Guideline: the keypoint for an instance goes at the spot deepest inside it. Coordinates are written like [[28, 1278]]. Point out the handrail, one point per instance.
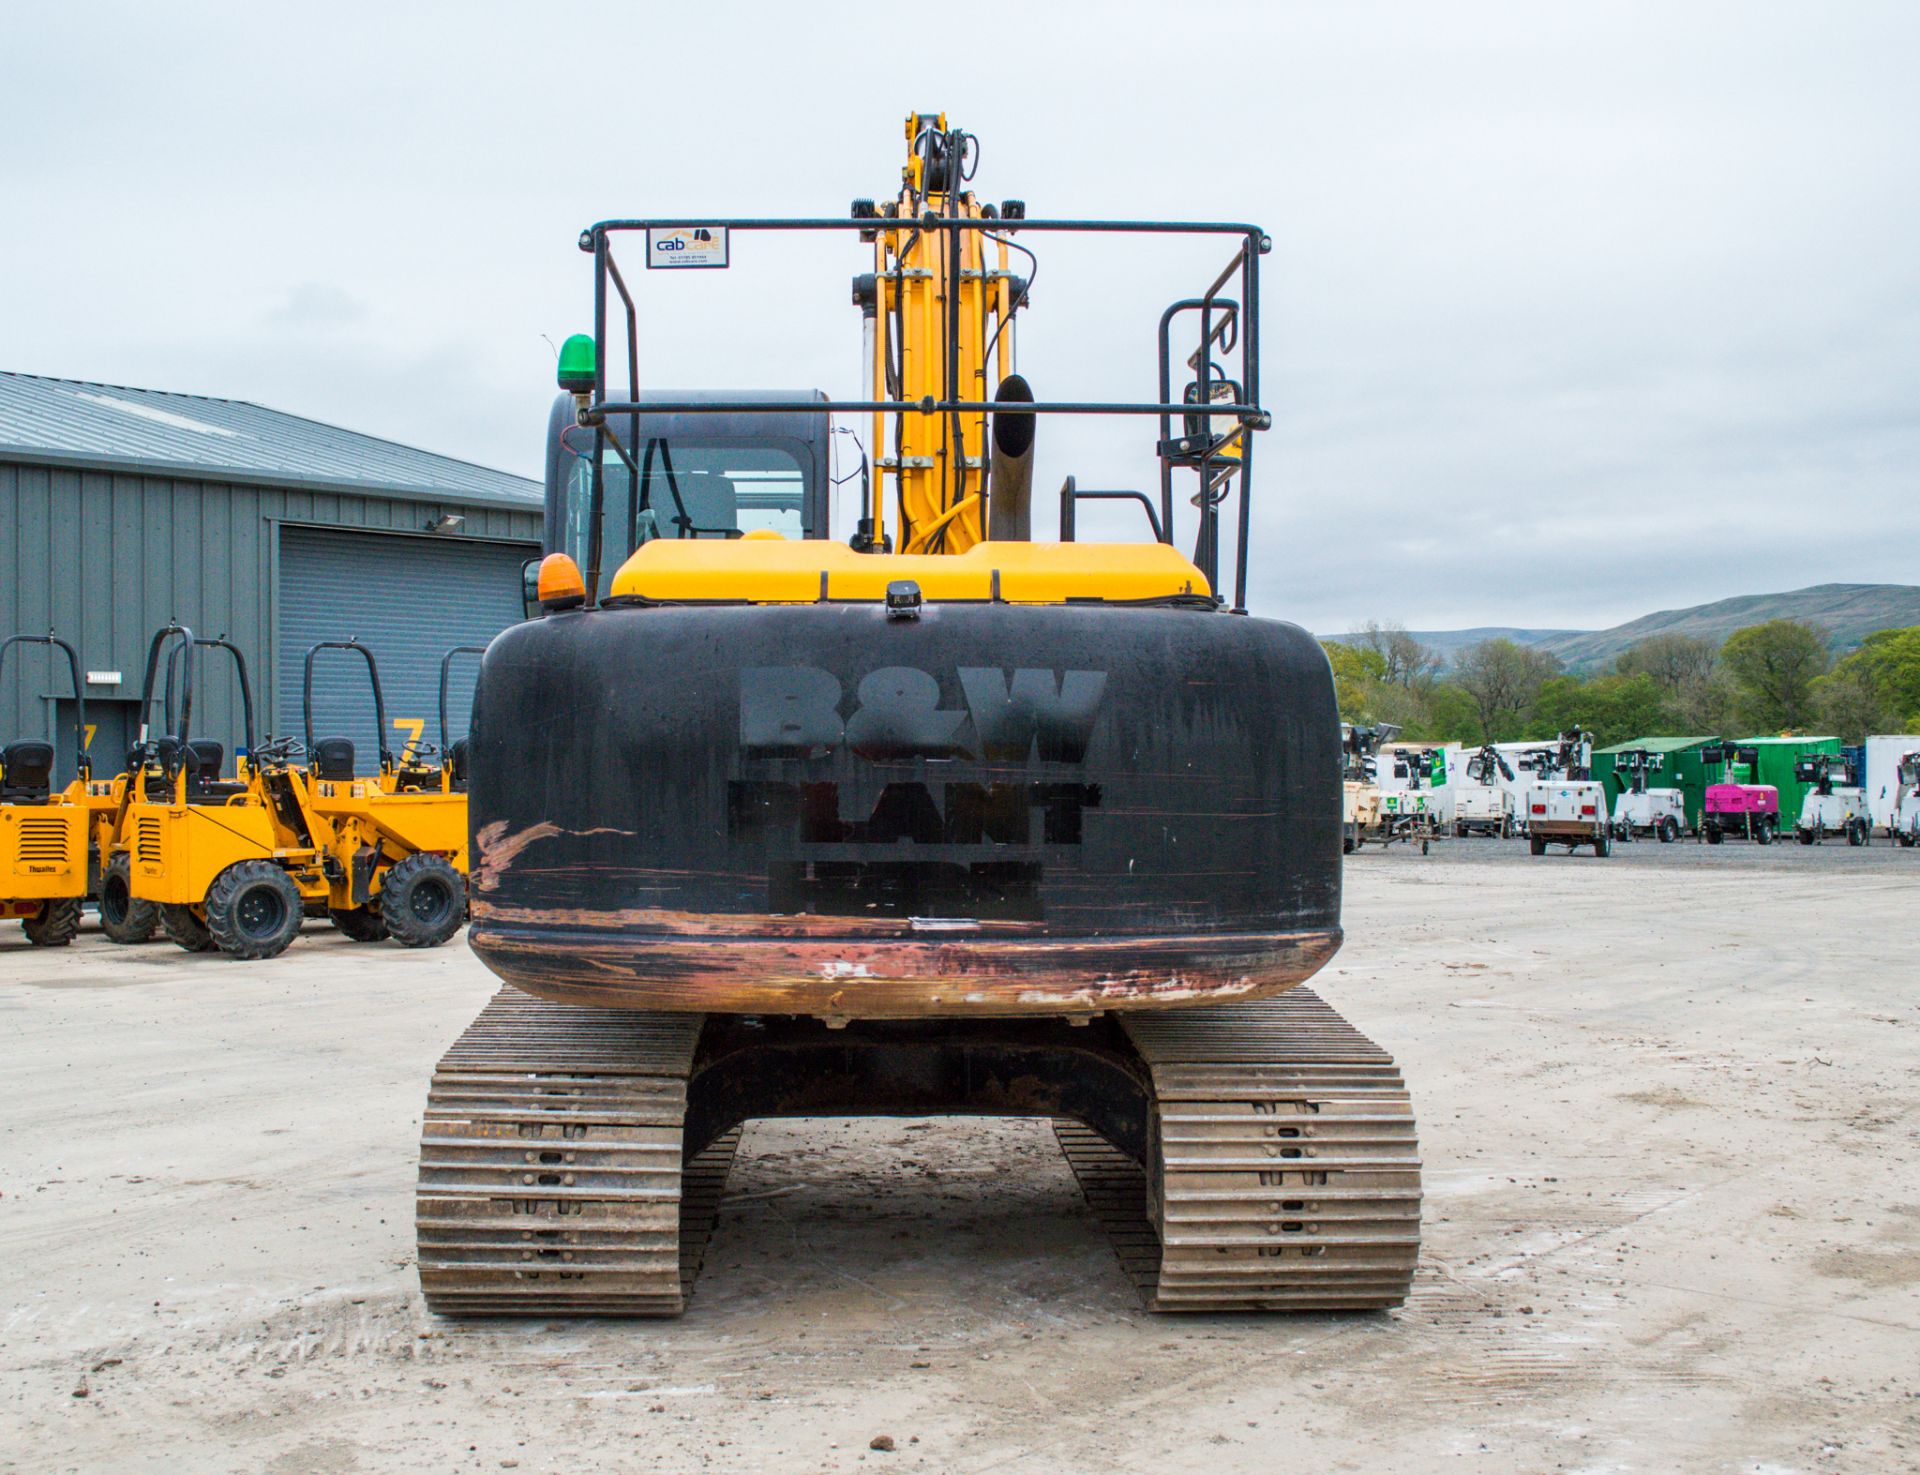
[[379, 699], [82, 763]]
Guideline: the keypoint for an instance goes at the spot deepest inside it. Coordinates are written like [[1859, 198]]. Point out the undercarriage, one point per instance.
[[1256, 1156]]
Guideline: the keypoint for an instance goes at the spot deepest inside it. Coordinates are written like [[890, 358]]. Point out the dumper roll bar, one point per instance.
[[379, 699], [82, 763], [189, 644], [174, 659], [446, 669], [1229, 325]]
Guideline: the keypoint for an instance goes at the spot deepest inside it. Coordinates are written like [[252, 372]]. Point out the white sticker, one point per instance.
[[691, 245]]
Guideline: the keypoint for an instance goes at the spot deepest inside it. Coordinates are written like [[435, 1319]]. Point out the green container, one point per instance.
[[1777, 757], [1680, 769]]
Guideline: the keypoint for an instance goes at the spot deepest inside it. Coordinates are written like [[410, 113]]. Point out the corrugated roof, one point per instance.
[[1659, 744], [72, 422]]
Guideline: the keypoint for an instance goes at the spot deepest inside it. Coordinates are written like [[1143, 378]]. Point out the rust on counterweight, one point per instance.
[[766, 970]]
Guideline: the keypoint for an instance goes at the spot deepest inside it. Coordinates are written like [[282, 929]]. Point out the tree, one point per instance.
[[1407, 662], [1875, 688], [1685, 669], [1773, 667], [1358, 674], [1612, 708], [1674, 661], [1848, 704], [1502, 679]]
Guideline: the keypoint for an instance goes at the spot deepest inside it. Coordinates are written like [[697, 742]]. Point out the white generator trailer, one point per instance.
[[1641, 808], [1836, 801], [1566, 805], [1483, 802], [1416, 793], [1904, 824], [1885, 751], [1360, 784]]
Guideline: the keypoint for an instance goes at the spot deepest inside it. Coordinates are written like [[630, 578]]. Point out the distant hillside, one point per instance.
[[1849, 613], [1449, 643]]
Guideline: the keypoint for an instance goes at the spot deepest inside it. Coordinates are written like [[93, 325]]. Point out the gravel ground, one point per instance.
[[1669, 1115]]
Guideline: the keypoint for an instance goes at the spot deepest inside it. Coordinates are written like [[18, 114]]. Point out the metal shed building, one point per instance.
[[122, 509]]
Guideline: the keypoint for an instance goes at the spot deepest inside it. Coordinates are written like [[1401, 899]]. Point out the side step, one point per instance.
[[1284, 1173], [551, 1172]]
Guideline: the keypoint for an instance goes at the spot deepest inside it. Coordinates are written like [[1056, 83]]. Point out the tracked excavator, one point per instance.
[[940, 820]]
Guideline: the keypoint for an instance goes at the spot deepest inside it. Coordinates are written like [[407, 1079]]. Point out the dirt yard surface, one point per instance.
[[1669, 1105]]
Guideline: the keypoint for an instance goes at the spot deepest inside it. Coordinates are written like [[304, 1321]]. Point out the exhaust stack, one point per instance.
[[1010, 473]]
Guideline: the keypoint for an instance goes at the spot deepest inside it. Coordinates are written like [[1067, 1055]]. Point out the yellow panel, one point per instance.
[[764, 571]]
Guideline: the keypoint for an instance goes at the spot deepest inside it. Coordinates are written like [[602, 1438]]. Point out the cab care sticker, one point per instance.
[[688, 246]]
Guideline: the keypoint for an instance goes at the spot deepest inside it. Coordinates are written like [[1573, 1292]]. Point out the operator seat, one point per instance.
[[204, 761], [26, 772], [712, 503], [457, 765], [332, 758]]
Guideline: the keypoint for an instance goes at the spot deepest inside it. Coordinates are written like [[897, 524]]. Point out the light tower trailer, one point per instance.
[[1359, 783], [1567, 805], [1904, 825], [1416, 800], [1733, 807], [1836, 804], [1483, 801], [1641, 809]]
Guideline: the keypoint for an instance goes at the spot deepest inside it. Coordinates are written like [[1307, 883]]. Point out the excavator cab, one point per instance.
[[945, 818], [44, 826], [721, 474]]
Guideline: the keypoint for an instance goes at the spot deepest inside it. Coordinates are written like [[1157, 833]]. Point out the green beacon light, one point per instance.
[[577, 366]]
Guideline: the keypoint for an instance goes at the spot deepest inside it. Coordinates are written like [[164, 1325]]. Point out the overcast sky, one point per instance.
[[1573, 312]]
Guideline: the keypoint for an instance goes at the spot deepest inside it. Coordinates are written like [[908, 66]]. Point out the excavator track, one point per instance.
[[1281, 1169], [552, 1180], [1283, 1173]]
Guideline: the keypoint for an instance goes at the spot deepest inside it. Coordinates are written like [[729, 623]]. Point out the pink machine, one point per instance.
[[1750, 811]]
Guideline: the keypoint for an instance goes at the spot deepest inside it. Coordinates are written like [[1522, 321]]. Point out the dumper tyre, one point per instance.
[[183, 929], [423, 901], [254, 910], [359, 924], [1668, 830], [57, 924], [123, 916]]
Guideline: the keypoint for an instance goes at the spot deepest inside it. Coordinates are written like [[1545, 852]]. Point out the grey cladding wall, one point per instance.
[[105, 558]]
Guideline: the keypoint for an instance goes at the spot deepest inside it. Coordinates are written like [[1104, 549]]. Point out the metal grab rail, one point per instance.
[[1219, 316], [1070, 494], [83, 764]]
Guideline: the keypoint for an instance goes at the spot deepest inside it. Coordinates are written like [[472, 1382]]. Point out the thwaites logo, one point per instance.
[[1036, 719]]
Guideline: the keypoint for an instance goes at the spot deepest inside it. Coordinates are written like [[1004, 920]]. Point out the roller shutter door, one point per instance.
[[410, 600]]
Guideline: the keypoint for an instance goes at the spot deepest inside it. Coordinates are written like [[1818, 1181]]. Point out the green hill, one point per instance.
[[1848, 612]]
